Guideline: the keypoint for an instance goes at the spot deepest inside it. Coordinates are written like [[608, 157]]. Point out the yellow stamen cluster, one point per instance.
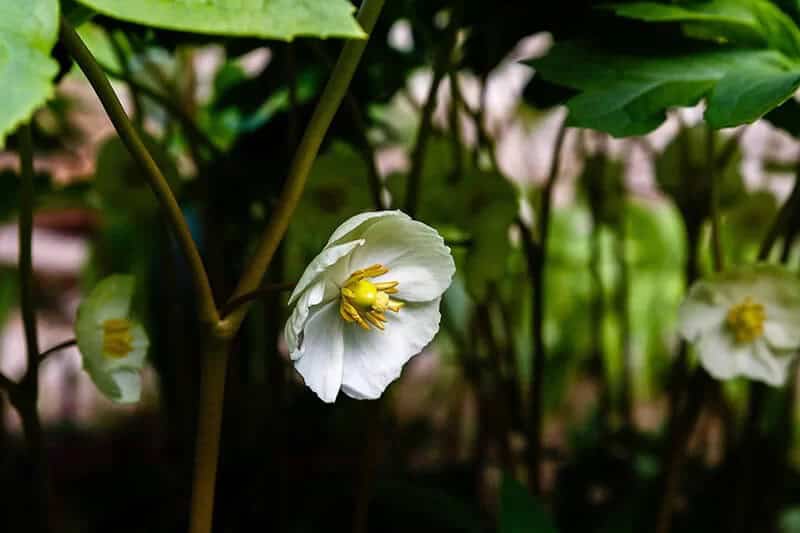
[[364, 302], [746, 320], [117, 338]]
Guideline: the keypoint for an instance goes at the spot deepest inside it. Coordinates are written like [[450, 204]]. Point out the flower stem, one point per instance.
[[158, 183], [209, 424], [303, 160], [26, 396]]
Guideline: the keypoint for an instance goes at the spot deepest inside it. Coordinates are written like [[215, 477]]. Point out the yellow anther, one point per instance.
[[365, 302], [746, 320], [117, 338]]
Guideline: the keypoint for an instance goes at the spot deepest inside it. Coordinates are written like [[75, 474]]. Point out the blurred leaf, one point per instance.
[[120, 181], [483, 204], [269, 19], [28, 31], [76, 13], [422, 508], [626, 94], [790, 520], [520, 512], [745, 22]]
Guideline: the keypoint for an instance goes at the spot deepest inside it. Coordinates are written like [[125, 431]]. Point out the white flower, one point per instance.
[[744, 323], [113, 347], [367, 304]]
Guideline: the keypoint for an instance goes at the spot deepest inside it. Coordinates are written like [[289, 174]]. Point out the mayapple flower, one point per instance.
[[367, 304], [113, 347], [744, 323]]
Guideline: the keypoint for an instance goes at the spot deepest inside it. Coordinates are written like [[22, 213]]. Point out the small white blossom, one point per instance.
[[367, 304], [744, 322], [112, 346]]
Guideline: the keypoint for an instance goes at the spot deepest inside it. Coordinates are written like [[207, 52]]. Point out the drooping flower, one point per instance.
[[113, 347], [367, 304], [745, 322]]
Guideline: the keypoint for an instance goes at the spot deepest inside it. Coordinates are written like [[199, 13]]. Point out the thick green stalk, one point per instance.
[[303, 160], [209, 425], [158, 183]]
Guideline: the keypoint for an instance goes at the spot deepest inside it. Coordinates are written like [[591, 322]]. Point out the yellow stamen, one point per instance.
[[365, 302], [117, 338], [746, 320]]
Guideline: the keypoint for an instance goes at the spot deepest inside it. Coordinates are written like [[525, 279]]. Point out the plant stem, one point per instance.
[[26, 396], [304, 159], [440, 68], [158, 183], [209, 425], [265, 290], [175, 109], [536, 258], [58, 347], [716, 222]]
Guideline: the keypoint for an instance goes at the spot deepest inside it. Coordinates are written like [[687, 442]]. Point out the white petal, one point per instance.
[[320, 354], [121, 386], [725, 359], [764, 365], [719, 354], [374, 358], [700, 311], [297, 320], [324, 261], [780, 335], [414, 253], [354, 227]]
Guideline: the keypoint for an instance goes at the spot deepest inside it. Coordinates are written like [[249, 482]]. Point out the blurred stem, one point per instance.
[[119, 53], [303, 160], [716, 222], [362, 130], [265, 291], [623, 308], [26, 396], [536, 256], [783, 221], [441, 65], [188, 123], [209, 424], [58, 347], [158, 183]]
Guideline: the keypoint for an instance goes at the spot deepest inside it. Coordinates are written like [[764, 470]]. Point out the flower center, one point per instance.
[[746, 320], [117, 338], [365, 302]]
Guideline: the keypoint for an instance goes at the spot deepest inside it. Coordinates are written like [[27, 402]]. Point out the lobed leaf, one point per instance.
[[268, 19]]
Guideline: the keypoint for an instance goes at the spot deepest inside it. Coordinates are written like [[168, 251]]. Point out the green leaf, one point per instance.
[[625, 94], [519, 512], [746, 22], [28, 32], [748, 94], [268, 19]]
